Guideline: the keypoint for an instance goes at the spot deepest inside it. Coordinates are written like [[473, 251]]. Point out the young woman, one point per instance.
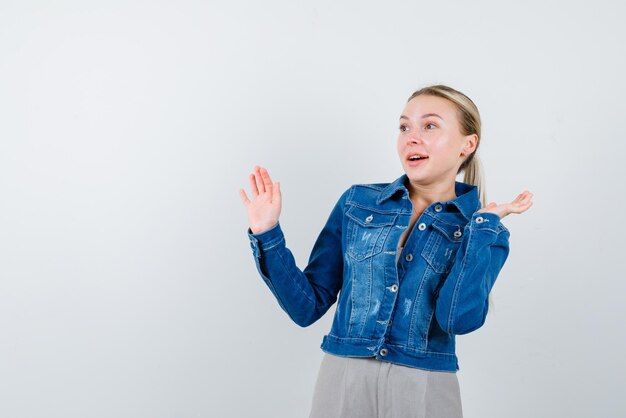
[[412, 261]]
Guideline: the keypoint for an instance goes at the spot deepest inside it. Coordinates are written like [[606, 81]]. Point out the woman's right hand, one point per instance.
[[522, 202], [264, 209]]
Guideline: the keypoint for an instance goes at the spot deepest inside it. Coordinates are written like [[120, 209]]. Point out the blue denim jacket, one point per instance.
[[404, 310]]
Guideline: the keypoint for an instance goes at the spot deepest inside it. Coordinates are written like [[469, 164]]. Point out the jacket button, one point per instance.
[[457, 234], [383, 352], [393, 288], [369, 219], [421, 226], [438, 208], [408, 257], [479, 220]]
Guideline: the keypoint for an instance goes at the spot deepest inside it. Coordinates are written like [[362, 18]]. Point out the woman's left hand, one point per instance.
[[521, 203]]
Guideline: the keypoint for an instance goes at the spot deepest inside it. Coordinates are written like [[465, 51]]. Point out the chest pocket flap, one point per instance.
[[452, 232], [442, 246], [367, 230]]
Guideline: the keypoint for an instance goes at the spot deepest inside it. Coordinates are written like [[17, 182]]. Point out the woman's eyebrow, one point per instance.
[[424, 116]]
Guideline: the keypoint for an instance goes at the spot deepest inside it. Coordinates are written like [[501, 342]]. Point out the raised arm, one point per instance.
[[304, 295], [462, 301]]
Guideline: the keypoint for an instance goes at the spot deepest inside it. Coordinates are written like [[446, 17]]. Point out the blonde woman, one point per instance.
[[412, 263]]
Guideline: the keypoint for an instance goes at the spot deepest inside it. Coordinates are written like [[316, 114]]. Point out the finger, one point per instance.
[[244, 197], [523, 207], [518, 204], [526, 197], [519, 199], [267, 182], [255, 191], [522, 197], [276, 193], [259, 180]]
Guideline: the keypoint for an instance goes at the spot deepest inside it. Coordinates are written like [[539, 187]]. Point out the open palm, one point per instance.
[[264, 208], [522, 202]]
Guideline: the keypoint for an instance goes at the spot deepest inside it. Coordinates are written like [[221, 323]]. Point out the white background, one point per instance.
[[127, 283]]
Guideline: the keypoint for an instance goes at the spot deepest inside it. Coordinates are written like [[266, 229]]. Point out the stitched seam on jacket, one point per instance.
[[404, 347], [270, 245], [372, 340], [455, 294], [382, 212], [372, 186]]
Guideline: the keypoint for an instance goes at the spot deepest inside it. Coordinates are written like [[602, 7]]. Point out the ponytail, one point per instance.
[[474, 175]]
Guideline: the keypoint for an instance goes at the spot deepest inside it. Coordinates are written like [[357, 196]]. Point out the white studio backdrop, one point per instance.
[[127, 284]]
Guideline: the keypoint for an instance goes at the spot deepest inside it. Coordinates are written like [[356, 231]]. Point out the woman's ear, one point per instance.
[[471, 142]]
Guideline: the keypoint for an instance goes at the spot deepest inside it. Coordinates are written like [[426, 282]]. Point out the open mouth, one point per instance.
[[416, 159]]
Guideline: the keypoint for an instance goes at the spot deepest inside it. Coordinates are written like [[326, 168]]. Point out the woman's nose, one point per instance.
[[414, 138]]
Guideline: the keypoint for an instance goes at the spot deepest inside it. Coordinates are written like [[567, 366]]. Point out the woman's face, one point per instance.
[[429, 128]]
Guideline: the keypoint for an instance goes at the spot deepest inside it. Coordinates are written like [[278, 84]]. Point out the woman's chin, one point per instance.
[[416, 177], [414, 172]]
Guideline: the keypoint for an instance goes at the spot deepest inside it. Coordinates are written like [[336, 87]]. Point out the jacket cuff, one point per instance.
[[487, 221], [266, 239]]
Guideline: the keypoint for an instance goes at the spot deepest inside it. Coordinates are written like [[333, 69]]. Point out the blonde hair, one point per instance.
[[469, 123]]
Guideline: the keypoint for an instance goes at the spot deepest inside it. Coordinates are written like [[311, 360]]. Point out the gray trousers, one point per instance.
[[349, 387]]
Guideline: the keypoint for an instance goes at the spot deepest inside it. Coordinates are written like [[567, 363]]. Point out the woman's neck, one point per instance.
[[423, 195]]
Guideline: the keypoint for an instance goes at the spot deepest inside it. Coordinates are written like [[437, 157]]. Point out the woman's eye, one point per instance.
[[430, 124], [403, 128]]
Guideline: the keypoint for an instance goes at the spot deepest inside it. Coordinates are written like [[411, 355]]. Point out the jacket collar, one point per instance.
[[466, 202]]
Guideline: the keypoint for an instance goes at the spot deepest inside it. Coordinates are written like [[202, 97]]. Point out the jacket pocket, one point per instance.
[[366, 231], [442, 245]]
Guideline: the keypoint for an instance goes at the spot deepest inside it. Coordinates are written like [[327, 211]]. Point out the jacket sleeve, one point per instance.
[[304, 295], [462, 301]]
